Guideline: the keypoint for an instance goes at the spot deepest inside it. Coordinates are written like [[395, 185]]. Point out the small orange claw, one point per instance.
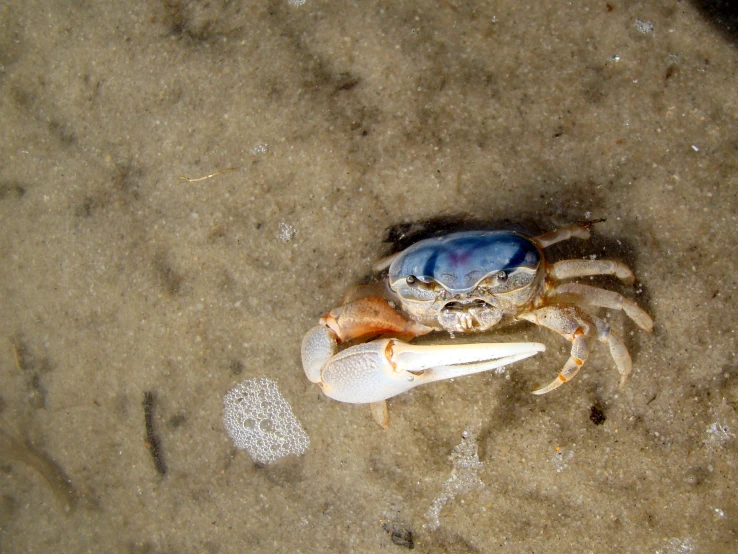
[[370, 316]]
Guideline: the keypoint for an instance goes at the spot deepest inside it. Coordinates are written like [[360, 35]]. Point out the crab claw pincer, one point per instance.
[[384, 368]]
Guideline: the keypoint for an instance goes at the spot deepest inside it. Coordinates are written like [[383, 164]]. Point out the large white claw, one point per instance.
[[382, 369]]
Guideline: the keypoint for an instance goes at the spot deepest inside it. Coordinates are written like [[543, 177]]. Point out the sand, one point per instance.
[[133, 300]]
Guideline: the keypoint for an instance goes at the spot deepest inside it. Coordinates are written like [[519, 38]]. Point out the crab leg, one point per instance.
[[568, 269], [618, 351], [575, 327], [565, 233], [602, 298], [370, 316]]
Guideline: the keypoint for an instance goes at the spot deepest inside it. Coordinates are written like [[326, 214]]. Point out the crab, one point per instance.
[[464, 282]]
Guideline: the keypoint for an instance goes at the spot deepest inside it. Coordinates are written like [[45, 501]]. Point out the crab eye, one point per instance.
[[502, 277], [411, 280]]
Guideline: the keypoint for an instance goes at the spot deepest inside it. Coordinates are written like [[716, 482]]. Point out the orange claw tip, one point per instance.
[[555, 384]]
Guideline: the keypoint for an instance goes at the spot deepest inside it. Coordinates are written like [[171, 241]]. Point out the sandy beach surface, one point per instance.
[[187, 186]]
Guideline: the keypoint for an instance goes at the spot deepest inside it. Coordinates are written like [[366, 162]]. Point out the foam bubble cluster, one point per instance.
[[261, 421], [464, 476]]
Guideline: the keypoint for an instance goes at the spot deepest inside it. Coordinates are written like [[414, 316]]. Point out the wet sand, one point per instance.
[[133, 300]]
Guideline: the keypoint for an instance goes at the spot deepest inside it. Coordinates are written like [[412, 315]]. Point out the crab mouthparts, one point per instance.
[[463, 305], [472, 314]]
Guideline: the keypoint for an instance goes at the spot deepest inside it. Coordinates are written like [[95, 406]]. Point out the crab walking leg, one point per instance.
[[565, 233], [568, 269], [381, 369], [594, 296], [618, 351], [575, 327], [380, 413]]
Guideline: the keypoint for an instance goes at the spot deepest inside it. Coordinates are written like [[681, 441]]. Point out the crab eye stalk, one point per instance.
[[411, 279], [502, 277]]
